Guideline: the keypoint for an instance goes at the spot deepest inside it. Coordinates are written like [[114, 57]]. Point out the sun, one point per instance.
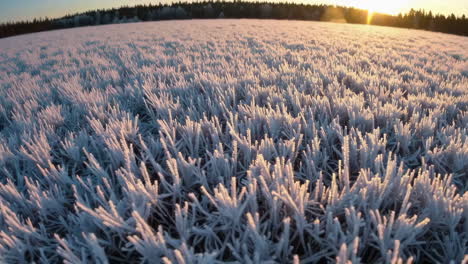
[[379, 6]]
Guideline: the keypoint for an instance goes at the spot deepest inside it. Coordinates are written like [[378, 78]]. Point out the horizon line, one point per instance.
[[30, 19]]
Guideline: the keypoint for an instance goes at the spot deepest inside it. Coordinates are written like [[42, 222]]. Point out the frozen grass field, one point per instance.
[[234, 140]]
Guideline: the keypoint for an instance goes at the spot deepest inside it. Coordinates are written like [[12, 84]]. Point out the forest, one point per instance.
[[415, 19]]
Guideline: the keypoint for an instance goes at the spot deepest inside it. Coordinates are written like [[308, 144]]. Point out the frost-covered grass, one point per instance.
[[234, 140]]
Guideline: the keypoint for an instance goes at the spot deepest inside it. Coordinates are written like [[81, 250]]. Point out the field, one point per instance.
[[247, 141]]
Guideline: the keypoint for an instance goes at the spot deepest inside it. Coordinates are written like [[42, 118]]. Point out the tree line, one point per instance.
[[417, 19]]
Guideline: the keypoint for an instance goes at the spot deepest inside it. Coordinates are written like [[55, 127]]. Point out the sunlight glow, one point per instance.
[[377, 6], [370, 14]]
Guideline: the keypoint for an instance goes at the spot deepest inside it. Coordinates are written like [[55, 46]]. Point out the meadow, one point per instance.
[[246, 141]]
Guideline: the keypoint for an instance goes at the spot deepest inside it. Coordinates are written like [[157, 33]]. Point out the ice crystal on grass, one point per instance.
[[190, 142]]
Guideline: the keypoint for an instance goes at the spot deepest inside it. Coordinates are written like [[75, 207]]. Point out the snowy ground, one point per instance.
[[234, 140]]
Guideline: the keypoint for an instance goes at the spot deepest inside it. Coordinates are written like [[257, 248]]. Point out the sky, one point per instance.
[[13, 10]]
